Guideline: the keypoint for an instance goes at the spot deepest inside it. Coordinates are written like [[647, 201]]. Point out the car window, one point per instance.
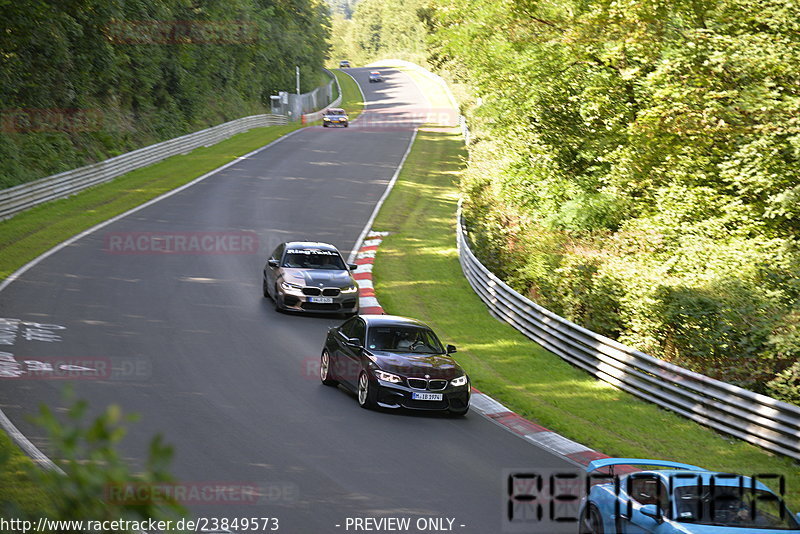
[[296, 258], [730, 506], [278, 252], [347, 328], [649, 490], [359, 330], [404, 339]]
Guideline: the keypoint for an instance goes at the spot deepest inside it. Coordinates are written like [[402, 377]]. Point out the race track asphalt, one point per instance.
[[232, 384]]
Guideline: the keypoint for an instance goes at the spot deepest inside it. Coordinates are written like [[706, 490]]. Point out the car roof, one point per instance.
[[310, 245], [392, 320], [338, 111]]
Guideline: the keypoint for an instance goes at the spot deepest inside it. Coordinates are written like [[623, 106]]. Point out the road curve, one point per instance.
[[209, 364]]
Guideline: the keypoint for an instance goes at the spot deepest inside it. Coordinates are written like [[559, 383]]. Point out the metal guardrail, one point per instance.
[[317, 115], [755, 418], [21, 197]]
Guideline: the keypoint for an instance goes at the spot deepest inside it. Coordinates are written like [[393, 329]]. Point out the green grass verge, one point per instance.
[[31, 233], [417, 274]]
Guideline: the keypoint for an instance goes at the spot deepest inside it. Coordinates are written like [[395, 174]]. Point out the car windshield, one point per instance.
[[729, 506], [335, 112], [313, 259], [404, 339]]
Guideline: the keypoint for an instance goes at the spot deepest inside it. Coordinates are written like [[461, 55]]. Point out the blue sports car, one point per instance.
[[683, 499]]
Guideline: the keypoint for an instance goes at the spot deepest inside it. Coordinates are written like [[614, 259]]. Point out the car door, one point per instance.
[[341, 358], [271, 273], [642, 490], [351, 356]]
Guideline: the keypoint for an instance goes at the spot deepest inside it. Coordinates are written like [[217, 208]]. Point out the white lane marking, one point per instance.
[[486, 405], [556, 442], [368, 302], [371, 243], [5, 423], [365, 284], [364, 268], [19, 272], [383, 197]]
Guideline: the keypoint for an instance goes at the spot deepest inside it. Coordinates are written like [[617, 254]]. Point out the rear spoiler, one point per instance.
[[611, 462]]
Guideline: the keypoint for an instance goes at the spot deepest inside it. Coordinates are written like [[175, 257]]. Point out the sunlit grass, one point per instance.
[[352, 102], [420, 213]]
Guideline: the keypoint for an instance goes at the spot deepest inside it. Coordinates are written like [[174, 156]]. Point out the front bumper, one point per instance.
[[390, 395], [299, 302], [334, 122]]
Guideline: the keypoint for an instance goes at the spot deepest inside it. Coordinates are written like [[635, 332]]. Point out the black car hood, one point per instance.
[[318, 277], [418, 365]]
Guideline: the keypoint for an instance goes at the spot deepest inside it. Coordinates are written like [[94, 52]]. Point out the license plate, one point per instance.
[[426, 396], [321, 300]]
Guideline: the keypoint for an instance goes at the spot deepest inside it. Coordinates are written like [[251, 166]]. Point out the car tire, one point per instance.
[[325, 369], [591, 521], [346, 125], [365, 392], [264, 287]]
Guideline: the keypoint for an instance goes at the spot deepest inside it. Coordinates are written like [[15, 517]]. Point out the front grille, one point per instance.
[[417, 383], [331, 292], [311, 291], [436, 385], [431, 385]]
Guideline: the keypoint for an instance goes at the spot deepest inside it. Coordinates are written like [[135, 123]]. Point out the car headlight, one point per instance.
[[326, 118], [351, 289], [290, 287], [387, 377], [460, 381]]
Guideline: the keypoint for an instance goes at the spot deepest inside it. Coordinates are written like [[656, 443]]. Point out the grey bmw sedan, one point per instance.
[[308, 276]]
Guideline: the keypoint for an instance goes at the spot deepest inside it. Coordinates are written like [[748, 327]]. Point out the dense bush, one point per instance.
[[93, 473], [634, 165], [636, 169], [82, 80]]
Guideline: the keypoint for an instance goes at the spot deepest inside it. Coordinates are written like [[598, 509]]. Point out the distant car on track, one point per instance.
[[375, 76], [335, 117], [394, 362], [683, 499], [344, 64], [310, 277]]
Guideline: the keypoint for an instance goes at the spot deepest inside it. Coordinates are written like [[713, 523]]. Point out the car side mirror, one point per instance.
[[273, 263], [451, 349], [653, 512], [354, 342], [352, 266]]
